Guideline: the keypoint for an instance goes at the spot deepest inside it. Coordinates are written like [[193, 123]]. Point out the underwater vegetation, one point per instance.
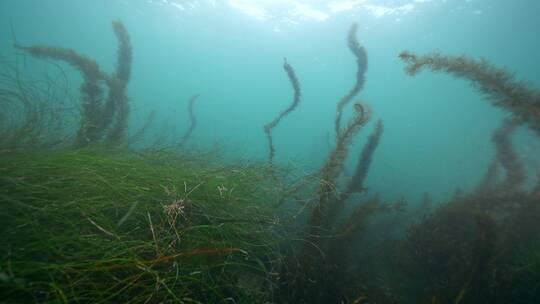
[[361, 62], [99, 226], [31, 110], [355, 184], [499, 86], [192, 119], [86, 218], [296, 100], [99, 117], [466, 251], [319, 271]]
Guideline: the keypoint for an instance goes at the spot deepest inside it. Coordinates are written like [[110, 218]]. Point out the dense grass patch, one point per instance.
[[89, 226]]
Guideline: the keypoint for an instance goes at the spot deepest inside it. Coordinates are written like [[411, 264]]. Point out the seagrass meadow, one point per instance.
[[270, 151]]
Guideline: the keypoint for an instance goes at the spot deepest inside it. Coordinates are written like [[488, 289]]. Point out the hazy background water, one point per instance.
[[437, 129]]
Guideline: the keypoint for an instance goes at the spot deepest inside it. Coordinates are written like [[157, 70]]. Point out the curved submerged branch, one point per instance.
[[97, 116], [88, 68], [296, 100], [192, 119], [325, 208], [124, 53], [361, 62], [90, 129], [118, 100], [498, 85], [356, 184], [507, 156]]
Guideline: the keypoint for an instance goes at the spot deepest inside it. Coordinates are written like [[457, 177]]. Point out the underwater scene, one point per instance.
[[270, 151]]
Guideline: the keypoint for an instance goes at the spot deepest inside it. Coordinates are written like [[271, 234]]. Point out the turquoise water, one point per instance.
[[437, 138], [437, 134]]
